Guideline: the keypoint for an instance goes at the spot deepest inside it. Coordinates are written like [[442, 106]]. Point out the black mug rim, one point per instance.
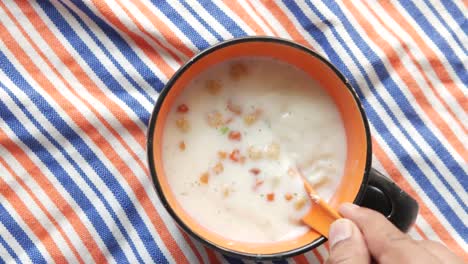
[[152, 125]]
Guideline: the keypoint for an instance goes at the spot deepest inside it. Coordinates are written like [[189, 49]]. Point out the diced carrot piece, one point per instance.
[[183, 108], [255, 171], [183, 125], [270, 197], [235, 155], [222, 154], [213, 86], [218, 168], [238, 70], [182, 145], [300, 203], [235, 135], [288, 197], [204, 178], [236, 109]]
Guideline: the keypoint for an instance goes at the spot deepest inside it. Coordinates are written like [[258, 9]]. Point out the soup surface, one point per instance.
[[238, 138]]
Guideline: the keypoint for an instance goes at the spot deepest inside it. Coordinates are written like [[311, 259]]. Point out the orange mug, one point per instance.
[[360, 183]]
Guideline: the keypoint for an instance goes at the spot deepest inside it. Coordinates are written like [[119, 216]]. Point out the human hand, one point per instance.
[[364, 234]]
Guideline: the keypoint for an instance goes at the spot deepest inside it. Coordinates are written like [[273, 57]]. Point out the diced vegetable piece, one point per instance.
[[215, 119], [254, 153], [270, 197], [273, 151], [299, 204], [236, 109], [320, 182], [204, 178], [226, 192], [218, 168], [235, 155], [183, 125], [252, 117], [224, 130], [258, 183], [235, 135], [237, 71], [242, 159], [255, 171], [288, 197], [213, 86], [183, 108], [222, 154], [182, 145]]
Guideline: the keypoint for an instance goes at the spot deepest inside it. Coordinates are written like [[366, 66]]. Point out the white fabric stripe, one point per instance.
[[414, 234], [315, 45], [384, 115], [311, 258], [6, 257], [427, 229], [428, 202], [194, 23], [231, 14], [210, 20], [85, 67], [268, 16], [397, 111], [38, 214], [153, 31], [462, 6], [19, 221], [254, 16], [323, 252], [66, 145], [423, 62], [99, 53], [52, 209], [145, 181], [13, 243], [199, 247], [128, 23], [426, 38], [416, 75], [79, 88], [449, 21], [184, 39]]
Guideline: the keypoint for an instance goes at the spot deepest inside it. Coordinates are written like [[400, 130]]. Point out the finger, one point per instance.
[[385, 242], [347, 244], [441, 252]]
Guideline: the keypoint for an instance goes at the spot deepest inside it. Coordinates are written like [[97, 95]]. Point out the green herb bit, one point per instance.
[[224, 130]]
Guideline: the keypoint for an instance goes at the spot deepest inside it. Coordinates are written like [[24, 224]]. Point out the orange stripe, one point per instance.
[[261, 18], [416, 62], [425, 212], [105, 10], [235, 7], [283, 19], [144, 31], [420, 232], [165, 30], [79, 73], [396, 63], [31, 221], [318, 255], [301, 259], [434, 61], [100, 141], [192, 246], [42, 207], [212, 259], [60, 202]]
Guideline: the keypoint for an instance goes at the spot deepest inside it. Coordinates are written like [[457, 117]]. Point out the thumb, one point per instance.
[[347, 244]]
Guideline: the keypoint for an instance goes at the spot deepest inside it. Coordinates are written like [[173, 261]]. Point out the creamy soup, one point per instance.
[[238, 138]]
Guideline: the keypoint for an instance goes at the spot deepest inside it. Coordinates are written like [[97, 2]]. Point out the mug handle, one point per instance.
[[384, 196]]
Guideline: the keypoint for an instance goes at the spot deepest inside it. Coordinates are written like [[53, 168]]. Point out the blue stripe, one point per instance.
[[106, 77], [20, 236], [203, 22], [127, 51], [446, 26], [439, 41], [10, 251], [232, 260], [373, 117], [457, 15], [181, 23], [92, 159]]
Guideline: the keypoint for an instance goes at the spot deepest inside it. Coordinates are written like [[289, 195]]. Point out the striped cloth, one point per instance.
[[78, 80]]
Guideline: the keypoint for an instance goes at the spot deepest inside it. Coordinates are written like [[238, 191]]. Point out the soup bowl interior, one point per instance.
[[352, 115]]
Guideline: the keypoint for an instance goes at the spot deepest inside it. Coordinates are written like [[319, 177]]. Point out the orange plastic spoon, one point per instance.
[[321, 215]]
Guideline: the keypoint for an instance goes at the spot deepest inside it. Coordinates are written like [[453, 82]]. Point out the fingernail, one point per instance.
[[347, 207], [340, 230]]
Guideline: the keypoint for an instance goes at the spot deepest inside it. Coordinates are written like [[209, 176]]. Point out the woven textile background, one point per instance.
[[78, 80]]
